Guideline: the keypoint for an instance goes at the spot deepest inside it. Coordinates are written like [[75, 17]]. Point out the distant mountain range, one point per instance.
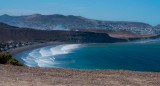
[[76, 23]]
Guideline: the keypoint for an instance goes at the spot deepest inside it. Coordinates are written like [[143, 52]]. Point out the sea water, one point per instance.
[[136, 56]]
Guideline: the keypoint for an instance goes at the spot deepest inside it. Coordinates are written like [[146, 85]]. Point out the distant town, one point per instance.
[[70, 22], [8, 46]]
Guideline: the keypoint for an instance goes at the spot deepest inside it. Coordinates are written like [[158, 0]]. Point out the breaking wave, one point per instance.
[[45, 57]]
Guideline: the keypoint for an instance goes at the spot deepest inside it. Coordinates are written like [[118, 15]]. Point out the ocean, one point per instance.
[[136, 56]]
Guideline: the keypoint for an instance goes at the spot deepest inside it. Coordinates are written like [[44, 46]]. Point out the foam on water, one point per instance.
[[30, 58], [45, 52], [45, 62], [45, 57], [64, 49]]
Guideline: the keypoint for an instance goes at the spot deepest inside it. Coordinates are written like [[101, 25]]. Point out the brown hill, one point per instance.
[[2, 25], [27, 34], [33, 76]]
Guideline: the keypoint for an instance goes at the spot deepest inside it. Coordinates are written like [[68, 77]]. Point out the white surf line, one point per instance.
[[44, 57]]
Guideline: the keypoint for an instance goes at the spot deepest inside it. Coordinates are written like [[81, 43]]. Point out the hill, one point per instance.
[[2, 25], [70, 22], [33, 76], [8, 33], [157, 28]]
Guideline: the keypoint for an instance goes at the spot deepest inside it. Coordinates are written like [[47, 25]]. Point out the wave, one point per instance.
[[64, 49], [31, 58], [45, 57], [45, 52], [45, 62]]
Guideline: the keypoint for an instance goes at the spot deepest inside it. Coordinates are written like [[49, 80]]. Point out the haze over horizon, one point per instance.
[[109, 10]]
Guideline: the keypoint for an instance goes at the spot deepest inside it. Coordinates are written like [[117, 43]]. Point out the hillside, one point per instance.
[[61, 22], [119, 33], [2, 25], [27, 34], [32, 76], [157, 28]]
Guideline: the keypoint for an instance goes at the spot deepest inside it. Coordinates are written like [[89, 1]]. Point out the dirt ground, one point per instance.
[[34, 76]]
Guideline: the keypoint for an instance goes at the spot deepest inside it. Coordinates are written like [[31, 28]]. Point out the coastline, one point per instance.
[[23, 48], [38, 45]]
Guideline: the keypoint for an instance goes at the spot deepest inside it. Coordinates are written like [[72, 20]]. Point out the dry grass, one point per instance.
[[32, 76]]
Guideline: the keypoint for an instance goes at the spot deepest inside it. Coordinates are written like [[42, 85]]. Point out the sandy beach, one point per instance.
[[23, 48]]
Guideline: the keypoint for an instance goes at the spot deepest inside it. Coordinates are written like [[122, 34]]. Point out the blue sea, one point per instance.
[[137, 56]]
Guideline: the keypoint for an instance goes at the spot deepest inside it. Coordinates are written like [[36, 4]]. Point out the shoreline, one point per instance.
[[38, 45], [23, 48]]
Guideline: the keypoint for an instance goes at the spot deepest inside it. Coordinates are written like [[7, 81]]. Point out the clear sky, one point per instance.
[[147, 11]]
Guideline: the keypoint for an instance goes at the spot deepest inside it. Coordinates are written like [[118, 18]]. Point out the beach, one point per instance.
[[23, 48]]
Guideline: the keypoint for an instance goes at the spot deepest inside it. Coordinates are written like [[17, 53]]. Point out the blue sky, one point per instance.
[[147, 11]]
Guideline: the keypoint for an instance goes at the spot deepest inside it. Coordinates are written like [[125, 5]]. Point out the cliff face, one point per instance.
[[55, 22], [26, 34]]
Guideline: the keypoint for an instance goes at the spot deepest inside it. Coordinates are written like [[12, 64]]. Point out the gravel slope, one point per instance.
[[34, 76]]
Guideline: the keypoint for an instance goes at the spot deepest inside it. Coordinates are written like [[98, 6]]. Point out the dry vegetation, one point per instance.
[[32, 76]]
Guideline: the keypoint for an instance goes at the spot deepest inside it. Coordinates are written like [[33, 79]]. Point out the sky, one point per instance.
[[147, 11]]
